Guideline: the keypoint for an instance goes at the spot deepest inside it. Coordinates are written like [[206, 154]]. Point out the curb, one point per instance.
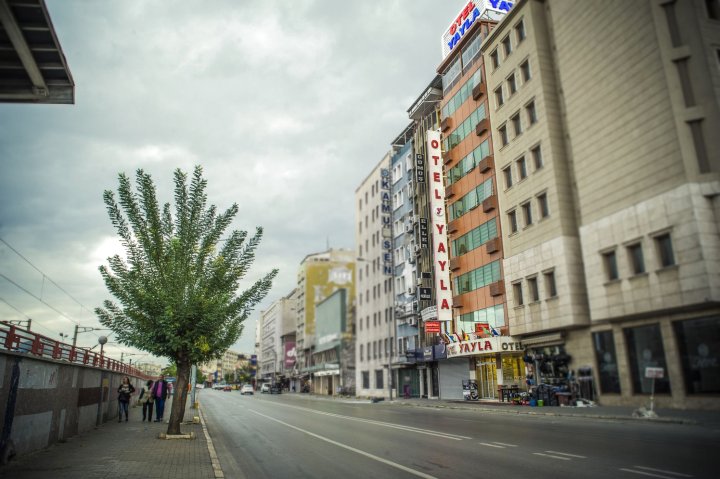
[[217, 469]]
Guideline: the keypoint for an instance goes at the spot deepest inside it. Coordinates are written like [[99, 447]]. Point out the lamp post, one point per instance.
[[85, 329]]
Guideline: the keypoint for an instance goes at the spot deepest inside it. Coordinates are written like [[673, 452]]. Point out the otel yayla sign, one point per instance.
[[490, 9], [479, 347], [439, 228]]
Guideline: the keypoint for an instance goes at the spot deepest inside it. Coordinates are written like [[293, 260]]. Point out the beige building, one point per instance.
[[604, 123]]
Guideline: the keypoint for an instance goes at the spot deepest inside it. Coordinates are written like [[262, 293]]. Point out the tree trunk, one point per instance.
[[179, 396]]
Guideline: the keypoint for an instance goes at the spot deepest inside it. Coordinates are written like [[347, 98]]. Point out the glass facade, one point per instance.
[[699, 347], [471, 200], [645, 349], [467, 164], [464, 129], [493, 316], [604, 345], [475, 238], [477, 278]]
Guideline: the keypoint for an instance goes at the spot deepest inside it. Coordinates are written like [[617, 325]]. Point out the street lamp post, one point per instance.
[[84, 329]]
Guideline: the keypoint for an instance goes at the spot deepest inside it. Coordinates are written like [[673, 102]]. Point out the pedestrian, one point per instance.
[[124, 391], [146, 400], [160, 394]]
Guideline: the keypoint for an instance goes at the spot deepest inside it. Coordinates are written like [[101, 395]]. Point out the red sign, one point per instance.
[[432, 326], [480, 328]]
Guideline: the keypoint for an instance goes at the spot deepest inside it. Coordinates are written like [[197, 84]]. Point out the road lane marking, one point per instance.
[[680, 474], [673, 475], [492, 445], [349, 448], [506, 445], [566, 454], [444, 435], [550, 455]]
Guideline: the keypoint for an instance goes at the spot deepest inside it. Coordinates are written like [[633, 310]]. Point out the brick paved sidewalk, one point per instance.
[[125, 450]]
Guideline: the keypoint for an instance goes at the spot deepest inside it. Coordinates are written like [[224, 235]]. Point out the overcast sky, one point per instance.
[[286, 105]]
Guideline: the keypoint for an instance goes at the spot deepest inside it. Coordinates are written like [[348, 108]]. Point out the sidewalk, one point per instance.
[[128, 450]]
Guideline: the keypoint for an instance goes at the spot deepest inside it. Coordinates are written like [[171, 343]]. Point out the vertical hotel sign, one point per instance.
[[439, 228]]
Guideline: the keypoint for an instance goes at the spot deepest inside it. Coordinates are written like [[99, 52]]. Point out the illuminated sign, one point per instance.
[[420, 168], [443, 294], [473, 10], [432, 326], [386, 217], [478, 347]]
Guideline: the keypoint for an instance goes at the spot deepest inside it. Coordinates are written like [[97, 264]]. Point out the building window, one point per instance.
[[385, 346], [366, 379], [531, 113], [543, 205], [507, 46], [672, 22], [499, 100], [512, 84], [610, 263], [683, 70], [361, 351], [517, 124], [527, 213], [699, 346], [699, 143], [512, 219], [537, 157], [521, 168], [533, 287], [713, 9], [645, 350], [379, 379], [503, 135], [518, 294], [520, 31], [525, 70], [637, 262], [507, 172], [495, 59], [550, 288], [663, 243], [608, 370]]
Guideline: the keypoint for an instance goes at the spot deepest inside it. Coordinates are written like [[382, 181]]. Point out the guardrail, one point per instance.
[[20, 340]]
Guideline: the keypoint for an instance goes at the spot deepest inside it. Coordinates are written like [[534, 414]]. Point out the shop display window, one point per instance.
[[699, 345], [645, 349], [604, 345]]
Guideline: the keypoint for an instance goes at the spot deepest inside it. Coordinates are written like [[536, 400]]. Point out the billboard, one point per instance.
[[441, 257], [289, 354], [471, 12]]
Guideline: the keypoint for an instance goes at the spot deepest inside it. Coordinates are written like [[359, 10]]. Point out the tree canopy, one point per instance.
[[177, 286]]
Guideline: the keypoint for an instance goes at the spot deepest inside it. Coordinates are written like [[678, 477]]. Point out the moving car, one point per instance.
[[227, 388], [246, 389], [276, 389], [265, 388]]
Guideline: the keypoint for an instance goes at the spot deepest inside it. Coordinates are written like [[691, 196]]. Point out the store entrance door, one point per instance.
[[486, 373]]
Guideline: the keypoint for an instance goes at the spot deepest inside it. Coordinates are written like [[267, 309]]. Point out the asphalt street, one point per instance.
[[290, 435]]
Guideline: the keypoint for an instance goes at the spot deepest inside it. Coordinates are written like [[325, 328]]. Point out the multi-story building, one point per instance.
[[602, 119], [320, 275], [222, 368], [375, 333], [333, 361], [277, 322], [478, 336]]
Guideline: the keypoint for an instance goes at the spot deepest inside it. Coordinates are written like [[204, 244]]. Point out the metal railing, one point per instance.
[[22, 341]]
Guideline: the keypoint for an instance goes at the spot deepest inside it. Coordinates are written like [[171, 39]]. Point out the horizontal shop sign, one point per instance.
[[478, 347]]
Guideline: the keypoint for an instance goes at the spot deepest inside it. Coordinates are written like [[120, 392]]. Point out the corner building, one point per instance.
[[605, 122]]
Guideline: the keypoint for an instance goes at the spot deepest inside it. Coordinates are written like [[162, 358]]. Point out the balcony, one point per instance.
[[457, 302], [454, 264], [497, 288], [449, 191], [445, 124], [448, 158], [490, 204], [486, 164], [453, 226], [492, 246], [478, 91], [482, 127]]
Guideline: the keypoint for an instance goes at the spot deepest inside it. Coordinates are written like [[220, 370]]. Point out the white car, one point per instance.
[[265, 388], [247, 389]]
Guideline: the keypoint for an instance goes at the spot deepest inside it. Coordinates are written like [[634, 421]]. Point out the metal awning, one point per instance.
[[33, 68]]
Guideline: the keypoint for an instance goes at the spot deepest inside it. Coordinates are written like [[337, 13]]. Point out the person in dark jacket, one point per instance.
[[146, 400], [125, 390], [160, 394]]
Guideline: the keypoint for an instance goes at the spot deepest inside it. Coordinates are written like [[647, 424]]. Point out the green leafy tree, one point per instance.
[[177, 289], [200, 379], [170, 370]]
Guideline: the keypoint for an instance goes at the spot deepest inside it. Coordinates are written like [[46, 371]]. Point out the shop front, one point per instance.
[[495, 364]]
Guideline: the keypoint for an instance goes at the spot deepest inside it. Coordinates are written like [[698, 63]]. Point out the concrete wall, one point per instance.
[[47, 401]]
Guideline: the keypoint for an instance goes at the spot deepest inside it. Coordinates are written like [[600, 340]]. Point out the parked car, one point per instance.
[[265, 388], [247, 389], [276, 389], [219, 387]]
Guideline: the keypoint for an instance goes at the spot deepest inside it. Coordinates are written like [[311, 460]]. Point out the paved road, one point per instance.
[[265, 436]]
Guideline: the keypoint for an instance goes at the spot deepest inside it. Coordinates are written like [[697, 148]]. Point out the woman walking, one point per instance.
[[146, 400], [124, 391]]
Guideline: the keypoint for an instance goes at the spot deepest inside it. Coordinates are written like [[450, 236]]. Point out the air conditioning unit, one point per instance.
[[416, 249], [408, 228], [411, 260], [411, 291], [413, 321]]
